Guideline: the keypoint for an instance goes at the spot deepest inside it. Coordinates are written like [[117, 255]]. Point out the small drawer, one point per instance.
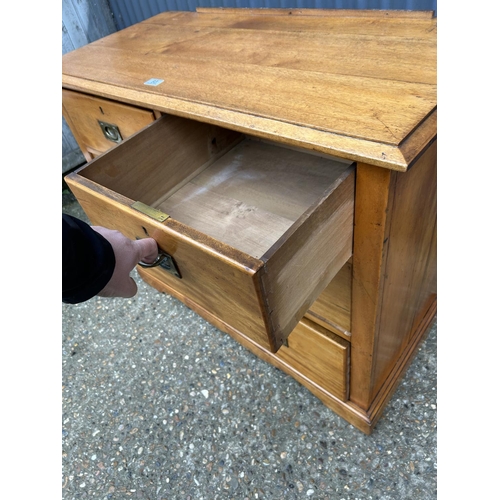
[[254, 231], [319, 356], [99, 124]]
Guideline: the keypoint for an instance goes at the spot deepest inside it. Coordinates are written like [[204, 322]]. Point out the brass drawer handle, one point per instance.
[[165, 261], [110, 131]]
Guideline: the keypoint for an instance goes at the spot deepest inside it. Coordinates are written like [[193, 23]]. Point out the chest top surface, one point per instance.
[[357, 84]]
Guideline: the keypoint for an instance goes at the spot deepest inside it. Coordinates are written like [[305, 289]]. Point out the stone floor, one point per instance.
[[159, 404]]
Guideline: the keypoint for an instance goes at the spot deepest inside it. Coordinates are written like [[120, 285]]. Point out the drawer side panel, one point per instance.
[[301, 267], [410, 264]]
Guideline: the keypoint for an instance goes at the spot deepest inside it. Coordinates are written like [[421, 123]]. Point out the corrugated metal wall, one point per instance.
[[83, 21], [128, 12]]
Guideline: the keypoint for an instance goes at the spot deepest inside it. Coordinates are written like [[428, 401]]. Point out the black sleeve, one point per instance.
[[88, 261]]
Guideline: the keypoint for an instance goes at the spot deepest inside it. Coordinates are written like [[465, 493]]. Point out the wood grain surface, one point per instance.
[[258, 271], [354, 250], [332, 309], [371, 13], [319, 355], [410, 269], [303, 262], [214, 276], [394, 268], [373, 188], [250, 196], [83, 112], [360, 86]]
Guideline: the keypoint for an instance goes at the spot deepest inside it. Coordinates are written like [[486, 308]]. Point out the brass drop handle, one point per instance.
[[165, 261], [110, 131]]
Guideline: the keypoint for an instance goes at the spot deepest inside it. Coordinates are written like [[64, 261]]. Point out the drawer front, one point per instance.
[[98, 124], [263, 296], [320, 356]]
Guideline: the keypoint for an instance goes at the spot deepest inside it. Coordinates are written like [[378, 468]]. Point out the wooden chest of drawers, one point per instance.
[[285, 162]]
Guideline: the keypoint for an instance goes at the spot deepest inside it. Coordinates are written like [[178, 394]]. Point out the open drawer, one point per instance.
[[252, 231]]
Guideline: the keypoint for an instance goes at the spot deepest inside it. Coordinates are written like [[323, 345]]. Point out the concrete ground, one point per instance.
[[159, 404]]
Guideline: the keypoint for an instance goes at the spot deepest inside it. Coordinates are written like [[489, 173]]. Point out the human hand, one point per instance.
[[128, 253]]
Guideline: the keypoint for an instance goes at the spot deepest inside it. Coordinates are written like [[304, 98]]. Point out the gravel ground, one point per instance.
[[159, 404]]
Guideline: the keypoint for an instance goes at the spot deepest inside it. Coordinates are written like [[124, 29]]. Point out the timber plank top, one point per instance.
[[356, 84]]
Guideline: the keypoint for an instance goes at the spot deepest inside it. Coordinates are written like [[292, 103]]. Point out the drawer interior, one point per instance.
[[256, 229], [242, 191]]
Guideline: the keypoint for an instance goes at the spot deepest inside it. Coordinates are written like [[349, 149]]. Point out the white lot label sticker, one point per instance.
[[154, 82]]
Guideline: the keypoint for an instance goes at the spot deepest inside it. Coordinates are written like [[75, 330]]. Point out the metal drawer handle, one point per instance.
[[165, 261], [110, 131]]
